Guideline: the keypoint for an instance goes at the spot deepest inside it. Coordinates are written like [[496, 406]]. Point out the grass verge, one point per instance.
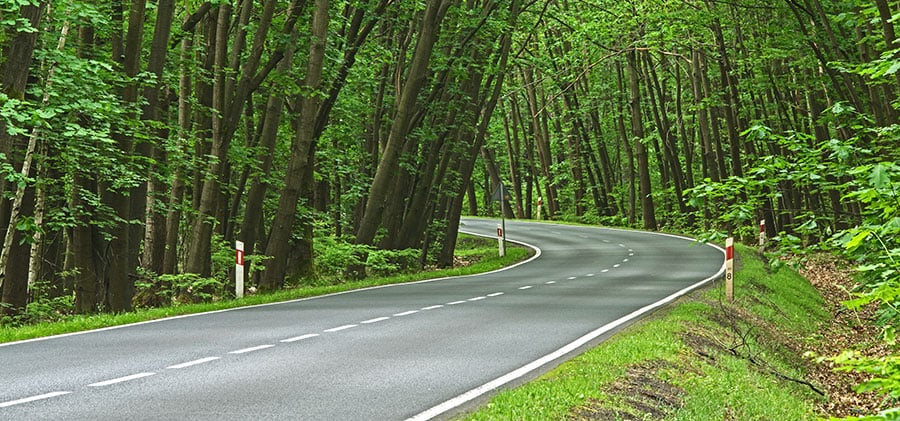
[[702, 358], [482, 252]]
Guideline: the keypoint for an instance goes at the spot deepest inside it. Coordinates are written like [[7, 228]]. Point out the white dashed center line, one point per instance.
[[191, 363], [121, 379], [375, 320], [406, 313], [339, 328], [32, 398], [251, 349], [288, 340], [299, 338]]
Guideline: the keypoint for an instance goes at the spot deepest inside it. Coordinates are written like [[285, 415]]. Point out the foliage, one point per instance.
[[183, 288], [875, 246], [335, 254], [45, 307]]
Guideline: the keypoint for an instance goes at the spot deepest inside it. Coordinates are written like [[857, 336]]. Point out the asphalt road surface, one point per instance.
[[413, 351]]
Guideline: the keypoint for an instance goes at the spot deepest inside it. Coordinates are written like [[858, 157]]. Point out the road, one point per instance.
[[413, 351]]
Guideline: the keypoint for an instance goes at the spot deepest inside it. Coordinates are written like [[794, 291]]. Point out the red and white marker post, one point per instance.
[[501, 240], [762, 232], [729, 268], [239, 269]]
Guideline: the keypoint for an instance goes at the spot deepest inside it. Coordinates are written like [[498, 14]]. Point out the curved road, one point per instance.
[[412, 351]]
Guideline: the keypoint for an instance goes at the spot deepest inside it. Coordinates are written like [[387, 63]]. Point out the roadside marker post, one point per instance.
[[239, 269], [502, 196], [501, 240], [729, 268], [540, 204], [762, 232]]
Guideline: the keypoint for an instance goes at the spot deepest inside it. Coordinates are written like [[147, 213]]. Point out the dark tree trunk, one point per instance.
[[640, 152], [301, 155]]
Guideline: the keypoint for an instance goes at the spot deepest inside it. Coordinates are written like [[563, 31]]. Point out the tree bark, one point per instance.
[[388, 165], [637, 131], [300, 161], [14, 72]]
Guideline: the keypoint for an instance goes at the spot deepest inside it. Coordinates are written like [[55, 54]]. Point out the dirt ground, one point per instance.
[[847, 330]]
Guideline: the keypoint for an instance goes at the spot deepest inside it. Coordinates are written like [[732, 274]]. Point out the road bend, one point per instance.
[[406, 352]]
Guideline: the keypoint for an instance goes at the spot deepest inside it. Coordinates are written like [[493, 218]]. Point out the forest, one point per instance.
[[339, 138]]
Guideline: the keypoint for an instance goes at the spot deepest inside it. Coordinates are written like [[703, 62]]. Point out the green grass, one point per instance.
[[769, 307], [484, 250]]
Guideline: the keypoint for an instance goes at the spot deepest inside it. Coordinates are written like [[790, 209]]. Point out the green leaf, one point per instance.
[[857, 240], [879, 176], [893, 68]]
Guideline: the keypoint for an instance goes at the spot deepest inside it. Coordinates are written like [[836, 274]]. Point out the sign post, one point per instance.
[[762, 232], [729, 268], [501, 195], [501, 239], [239, 269]]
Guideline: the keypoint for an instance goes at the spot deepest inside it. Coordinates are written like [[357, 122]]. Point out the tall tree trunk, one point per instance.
[[198, 256], [730, 98], [14, 72], [631, 200], [300, 161], [637, 131], [388, 166], [542, 143], [154, 111]]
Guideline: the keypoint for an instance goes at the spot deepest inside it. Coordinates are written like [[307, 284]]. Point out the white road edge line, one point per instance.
[[375, 320], [339, 328], [299, 338], [572, 346], [33, 398], [192, 363], [433, 307], [453, 303], [121, 379], [251, 349]]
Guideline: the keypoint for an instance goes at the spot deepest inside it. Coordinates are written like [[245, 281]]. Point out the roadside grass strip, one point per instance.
[[677, 365], [483, 252]]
